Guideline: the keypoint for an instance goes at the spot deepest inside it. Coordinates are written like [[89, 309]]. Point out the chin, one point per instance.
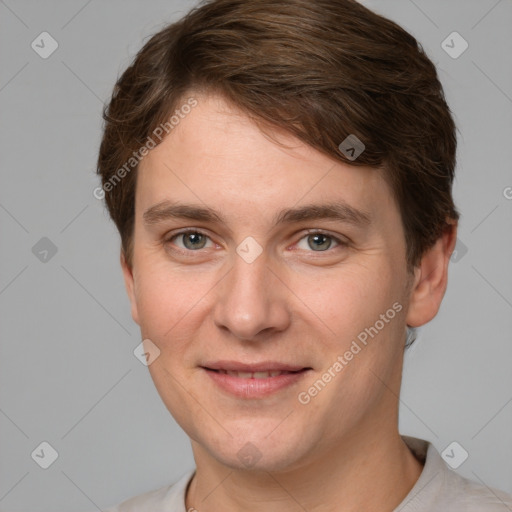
[[249, 458], [256, 450]]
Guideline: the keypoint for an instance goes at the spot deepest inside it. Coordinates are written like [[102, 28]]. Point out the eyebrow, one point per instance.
[[338, 211]]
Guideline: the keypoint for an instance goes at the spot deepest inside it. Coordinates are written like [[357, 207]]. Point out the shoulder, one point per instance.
[[170, 495], [464, 495], [441, 489]]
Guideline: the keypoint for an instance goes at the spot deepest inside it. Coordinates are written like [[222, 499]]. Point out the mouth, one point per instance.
[[255, 375], [254, 381]]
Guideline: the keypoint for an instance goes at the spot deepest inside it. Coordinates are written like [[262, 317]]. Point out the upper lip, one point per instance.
[[263, 366]]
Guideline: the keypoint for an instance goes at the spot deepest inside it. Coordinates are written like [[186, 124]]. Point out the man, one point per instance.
[[280, 174]]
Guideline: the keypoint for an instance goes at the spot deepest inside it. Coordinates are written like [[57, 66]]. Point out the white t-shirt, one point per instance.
[[438, 489]]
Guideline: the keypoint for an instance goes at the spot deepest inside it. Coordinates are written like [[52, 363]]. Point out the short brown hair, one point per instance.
[[319, 70]]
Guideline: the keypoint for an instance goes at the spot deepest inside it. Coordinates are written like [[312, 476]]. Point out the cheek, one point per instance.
[[347, 301], [171, 306], [163, 300]]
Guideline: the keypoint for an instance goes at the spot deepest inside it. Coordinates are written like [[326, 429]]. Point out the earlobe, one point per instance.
[[130, 286], [431, 279]]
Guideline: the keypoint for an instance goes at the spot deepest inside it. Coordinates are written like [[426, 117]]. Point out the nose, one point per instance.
[[252, 301]]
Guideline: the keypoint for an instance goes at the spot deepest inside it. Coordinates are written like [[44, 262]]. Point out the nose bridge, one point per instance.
[[250, 298]]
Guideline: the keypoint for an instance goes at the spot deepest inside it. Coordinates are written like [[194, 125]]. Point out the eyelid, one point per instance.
[[170, 236], [183, 231], [338, 238], [340, 241]]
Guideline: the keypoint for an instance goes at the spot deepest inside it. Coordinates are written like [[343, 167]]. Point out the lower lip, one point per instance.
[[254, 388]]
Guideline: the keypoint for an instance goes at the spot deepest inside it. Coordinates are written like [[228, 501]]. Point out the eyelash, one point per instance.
[[340, 243]]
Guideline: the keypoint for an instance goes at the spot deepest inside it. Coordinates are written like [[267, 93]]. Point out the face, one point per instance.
[[253, 257]]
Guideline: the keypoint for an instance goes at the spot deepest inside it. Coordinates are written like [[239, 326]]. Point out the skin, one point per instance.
[[295, 303]]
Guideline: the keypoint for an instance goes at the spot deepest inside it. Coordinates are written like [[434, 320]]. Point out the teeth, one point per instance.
[[253, 375], [242, 375], [261, 375]]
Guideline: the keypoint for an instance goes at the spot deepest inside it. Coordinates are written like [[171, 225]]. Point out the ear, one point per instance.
[[431, 279], [129, 285]]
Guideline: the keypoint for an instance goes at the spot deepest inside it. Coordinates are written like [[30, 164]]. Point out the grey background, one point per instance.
[[68, 373]]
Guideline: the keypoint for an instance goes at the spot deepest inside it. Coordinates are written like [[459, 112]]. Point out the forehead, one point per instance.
[[216, 155]]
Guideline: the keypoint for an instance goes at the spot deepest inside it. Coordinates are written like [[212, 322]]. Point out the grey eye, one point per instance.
[[319, 241], [192, 240]]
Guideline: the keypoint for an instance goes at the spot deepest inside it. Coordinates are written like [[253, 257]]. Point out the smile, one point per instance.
[[254, 385], [253, 375]]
